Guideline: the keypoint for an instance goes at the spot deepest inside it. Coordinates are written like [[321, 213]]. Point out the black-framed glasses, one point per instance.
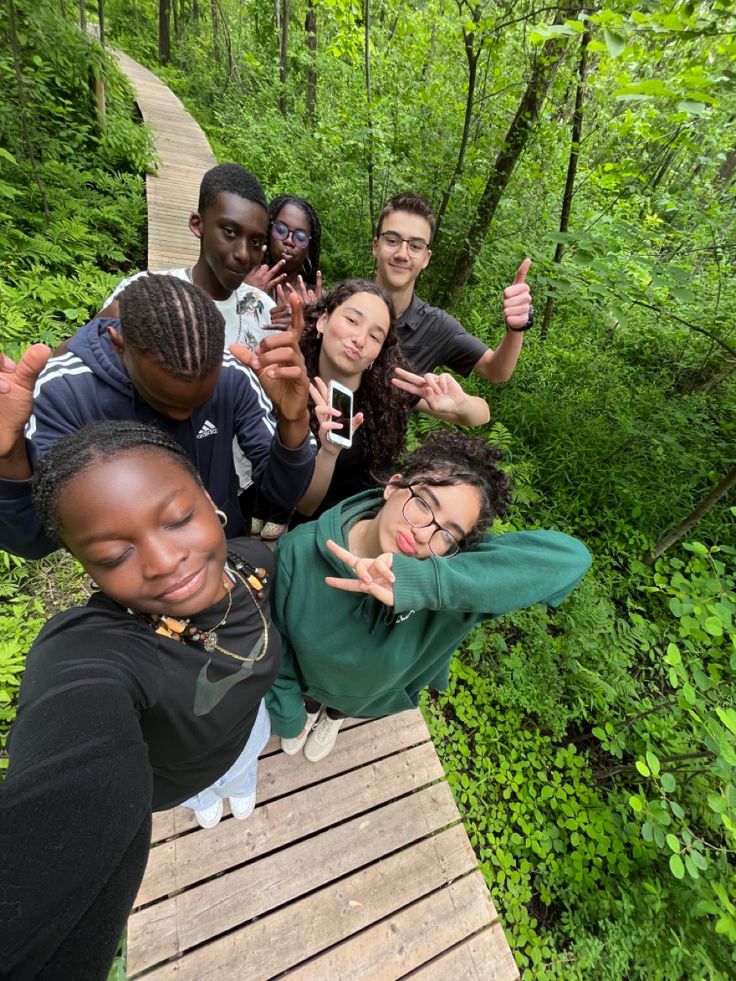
[[419, 514], [281, 231], [416, 246]]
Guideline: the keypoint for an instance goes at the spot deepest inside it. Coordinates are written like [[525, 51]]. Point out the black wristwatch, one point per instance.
[[527, 326]]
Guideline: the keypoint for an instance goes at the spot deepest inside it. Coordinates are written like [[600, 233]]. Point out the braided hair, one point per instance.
[[81, 450], [230, 178], [386, 409], [315, 231], [174, 324], [449, 457]]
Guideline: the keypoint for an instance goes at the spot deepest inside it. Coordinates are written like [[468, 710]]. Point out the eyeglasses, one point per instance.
[[420, 515], [416, 246], [281, 231]]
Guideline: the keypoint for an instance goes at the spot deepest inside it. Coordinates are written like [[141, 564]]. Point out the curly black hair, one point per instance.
[[315, 241], [385, 408], [449, 457], [230, 178], [174, 324], [80, 450]]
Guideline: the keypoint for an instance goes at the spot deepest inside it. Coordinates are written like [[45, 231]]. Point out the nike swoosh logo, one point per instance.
[[208, 694]]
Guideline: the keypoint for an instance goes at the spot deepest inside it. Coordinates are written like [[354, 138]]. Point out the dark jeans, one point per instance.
[[311, 706]]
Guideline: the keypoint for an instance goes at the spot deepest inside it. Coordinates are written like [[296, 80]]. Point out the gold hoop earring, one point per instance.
[[222, 516]]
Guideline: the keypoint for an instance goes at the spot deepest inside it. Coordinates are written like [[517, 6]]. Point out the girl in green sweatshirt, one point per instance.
[[374, 597]]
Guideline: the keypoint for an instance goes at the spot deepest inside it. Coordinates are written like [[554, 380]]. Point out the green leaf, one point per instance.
[[673, 842], [642, 768], [692, 107], [676, 867], [714, 626], [717, 803], [636, 804], [668, 783], [652, 763], [614, 42], [728, 718], [691, 867]]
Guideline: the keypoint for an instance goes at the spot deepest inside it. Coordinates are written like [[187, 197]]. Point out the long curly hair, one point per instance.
[[315, 241], [385, 409]]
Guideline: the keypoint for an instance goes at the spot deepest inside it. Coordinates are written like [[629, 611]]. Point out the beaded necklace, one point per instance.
[[184, 630]]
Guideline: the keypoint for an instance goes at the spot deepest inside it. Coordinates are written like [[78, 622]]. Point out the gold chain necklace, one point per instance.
[[185, 630]]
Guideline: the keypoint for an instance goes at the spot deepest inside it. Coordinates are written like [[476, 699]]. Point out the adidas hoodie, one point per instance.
[[89, 383]]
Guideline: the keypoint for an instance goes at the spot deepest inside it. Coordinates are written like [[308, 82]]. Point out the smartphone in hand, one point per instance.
[[341, 398]]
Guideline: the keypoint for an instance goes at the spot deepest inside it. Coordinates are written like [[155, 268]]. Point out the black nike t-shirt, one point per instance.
[[195, 709]]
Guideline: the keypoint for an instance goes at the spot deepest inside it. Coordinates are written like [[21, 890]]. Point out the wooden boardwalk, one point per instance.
[[184, 155], [355, 867]]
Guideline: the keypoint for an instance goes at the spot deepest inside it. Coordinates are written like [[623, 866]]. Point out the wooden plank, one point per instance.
[[192, 917], [284, 774], [291, 935], [408, 939], [484, 957], [181, 862]]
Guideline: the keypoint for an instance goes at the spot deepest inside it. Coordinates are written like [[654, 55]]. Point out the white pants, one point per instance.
[[240, 779]]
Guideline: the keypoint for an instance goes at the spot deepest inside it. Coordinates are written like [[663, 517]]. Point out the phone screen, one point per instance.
[[344, 404]]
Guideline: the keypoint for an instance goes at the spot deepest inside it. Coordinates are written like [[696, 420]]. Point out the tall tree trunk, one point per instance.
[[284, 56], [176, 11], [572, 168], [310, 27], [164, 32], [545, 67], [26, 116], [215, 20], [720, 490], [472, 56], [82, 16], [101, 19], [367, 78], [195, 12]]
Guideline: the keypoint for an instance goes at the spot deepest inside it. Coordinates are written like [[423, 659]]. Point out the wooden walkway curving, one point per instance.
[[357, 867], [184, 155]]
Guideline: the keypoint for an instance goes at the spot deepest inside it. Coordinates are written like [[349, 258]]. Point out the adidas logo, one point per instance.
[[208, 429]]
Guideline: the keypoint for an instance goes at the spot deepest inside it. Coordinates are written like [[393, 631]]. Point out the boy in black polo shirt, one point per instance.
[[429, 336]]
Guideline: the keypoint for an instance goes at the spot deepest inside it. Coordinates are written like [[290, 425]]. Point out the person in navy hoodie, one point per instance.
[[160, 363]]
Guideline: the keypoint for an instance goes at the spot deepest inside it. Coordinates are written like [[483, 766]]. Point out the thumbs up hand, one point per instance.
[[517, 300]]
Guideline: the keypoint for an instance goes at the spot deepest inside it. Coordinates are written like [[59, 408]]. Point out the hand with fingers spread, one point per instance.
[[443, 396], [307, 295], [320, 394], [517, 300], [281, 313], [279, 365], [17, 382], [374, 576], [267, 278]]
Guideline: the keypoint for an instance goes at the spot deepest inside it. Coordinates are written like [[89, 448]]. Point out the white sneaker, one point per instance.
[[322, 738], [292, 746], [256, 526], [242, 807], [211, 815]]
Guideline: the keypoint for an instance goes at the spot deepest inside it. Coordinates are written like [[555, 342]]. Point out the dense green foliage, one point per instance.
[[590, 748]]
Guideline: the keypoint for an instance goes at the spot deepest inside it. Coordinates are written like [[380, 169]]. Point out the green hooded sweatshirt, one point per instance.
[[351, 652]]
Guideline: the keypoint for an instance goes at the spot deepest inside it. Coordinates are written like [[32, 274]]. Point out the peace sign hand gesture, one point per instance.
[[374, 576]]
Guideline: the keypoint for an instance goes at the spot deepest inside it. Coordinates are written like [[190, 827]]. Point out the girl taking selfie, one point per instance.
[[149, 696]]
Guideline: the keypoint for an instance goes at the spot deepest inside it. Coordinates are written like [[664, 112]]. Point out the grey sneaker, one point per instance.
[[208, 817], [292, 746], [322, 738]]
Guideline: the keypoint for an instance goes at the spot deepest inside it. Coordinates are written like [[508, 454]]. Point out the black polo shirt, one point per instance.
[[430, 337]]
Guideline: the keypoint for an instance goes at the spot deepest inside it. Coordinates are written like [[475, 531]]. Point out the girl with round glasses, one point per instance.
[[149, 696], [374, 597], [293, 252]]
